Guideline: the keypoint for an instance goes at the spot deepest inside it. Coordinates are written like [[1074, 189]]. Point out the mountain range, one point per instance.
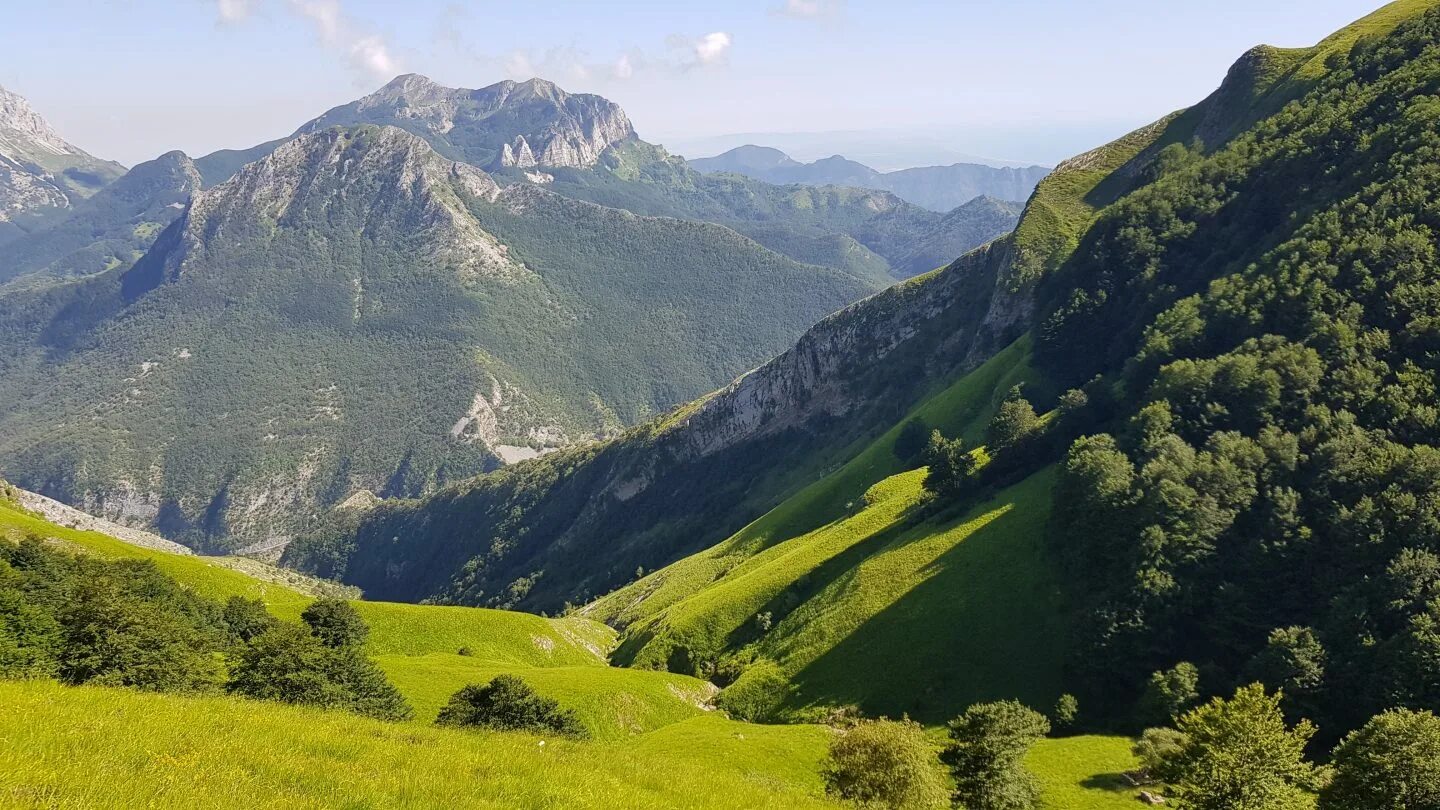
[[939, 188], [534, 273]]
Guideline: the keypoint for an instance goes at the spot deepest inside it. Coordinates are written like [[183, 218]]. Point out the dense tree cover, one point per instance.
[[335, 622], [507, 703], [987, 747], [1266, 499], [124, 623], [885, 764]]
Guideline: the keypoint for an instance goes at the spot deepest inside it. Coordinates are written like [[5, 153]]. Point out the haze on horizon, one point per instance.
[[902, 83]]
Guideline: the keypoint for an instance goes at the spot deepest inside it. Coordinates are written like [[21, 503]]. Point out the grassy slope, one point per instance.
[[1083, 773], [214, 752], [654, 746]]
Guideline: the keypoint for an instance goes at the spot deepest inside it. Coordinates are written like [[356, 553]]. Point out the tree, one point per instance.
[[508, 704], [1391, 763], [987, 747], [1067, 712], [246, 618], [30, 638], [112, 639], [1014, 421], [289, 664], [914, 436], [1293, 661], [1170, 692], [1238, 754], [951, 467], [884, 763], [335, 622]]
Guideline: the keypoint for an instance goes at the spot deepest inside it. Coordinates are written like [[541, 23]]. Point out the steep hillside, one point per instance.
[[111, 229], [1256, 307], [938, 188], [40, 173], [357, 312]]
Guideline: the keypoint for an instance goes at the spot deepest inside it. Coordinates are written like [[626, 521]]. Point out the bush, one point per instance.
[[756, 695], [29, 638], [1157, 750], [508, 704], [1393, 761], [988, 744], [952, 468], [1014, 422], [335, 622], [881, 763]]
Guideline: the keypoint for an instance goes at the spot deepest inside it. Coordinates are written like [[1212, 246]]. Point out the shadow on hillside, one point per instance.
[[1114, 782], [984, 623]]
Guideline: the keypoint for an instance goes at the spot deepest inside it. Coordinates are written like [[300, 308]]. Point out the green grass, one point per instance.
[[112, 748], [612, 703], [1083, 773]]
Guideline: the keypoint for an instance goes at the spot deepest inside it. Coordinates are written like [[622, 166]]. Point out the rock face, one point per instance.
[[509, 124], [39, 170]]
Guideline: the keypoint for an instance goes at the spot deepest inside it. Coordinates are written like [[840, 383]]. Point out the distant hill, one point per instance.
[[939, 188]]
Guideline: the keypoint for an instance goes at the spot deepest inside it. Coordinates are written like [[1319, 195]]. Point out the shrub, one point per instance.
[[756, 695], [111, 639], [1157, 750], [988, 744], [335, 622], [881, 763], [951, 467], [508, 704], [1014, 421], [1393, 761], [29, 638]]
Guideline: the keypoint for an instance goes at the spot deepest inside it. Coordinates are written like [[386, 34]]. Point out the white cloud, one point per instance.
[[811, 9], [366, 52], [371, 55], [233, 11], [712, 47], [623, 68], [325, 14]]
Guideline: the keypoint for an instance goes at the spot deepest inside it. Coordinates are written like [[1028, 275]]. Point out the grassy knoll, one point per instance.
[[112, 748]]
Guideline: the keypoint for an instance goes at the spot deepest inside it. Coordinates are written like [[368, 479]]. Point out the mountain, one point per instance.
[[521, 125], [40, 172], [938, 188], [114, 227], [1186, 417], [583, 146], [357, 312]]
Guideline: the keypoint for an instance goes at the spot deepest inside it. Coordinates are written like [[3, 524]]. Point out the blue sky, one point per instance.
[[1028, 80]]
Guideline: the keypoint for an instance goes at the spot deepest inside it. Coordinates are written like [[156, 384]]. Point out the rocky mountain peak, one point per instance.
[[384, 178], [493, 126], [24, 133]]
